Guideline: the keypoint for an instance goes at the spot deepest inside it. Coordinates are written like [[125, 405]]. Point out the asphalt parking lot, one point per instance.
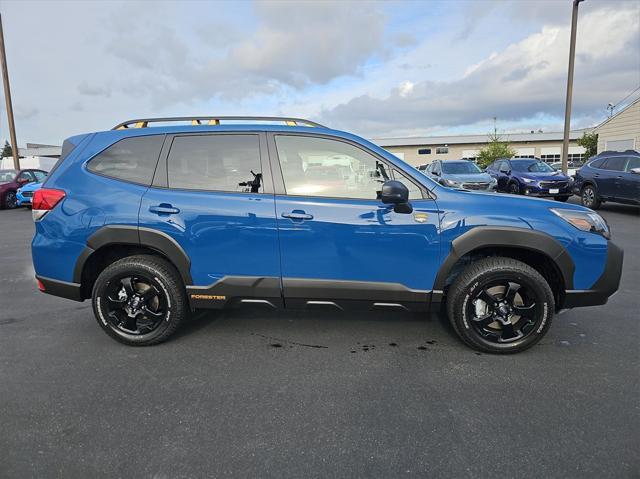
[[252, 394]]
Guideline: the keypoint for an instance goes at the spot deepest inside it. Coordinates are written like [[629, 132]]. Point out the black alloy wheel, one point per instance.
[[514, 189], [140, 300], [500, 305], [10, 200], [135, 306], [503, 311]]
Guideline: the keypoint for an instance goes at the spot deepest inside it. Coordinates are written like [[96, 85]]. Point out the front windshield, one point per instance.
[[7, 176], [532, 166], [460, 168]]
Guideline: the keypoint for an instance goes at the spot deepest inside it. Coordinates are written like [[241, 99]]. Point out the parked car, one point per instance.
[[25, 194], [11, 180], [610, 176], [153, 222], [461, 174], [531, 177], [572, 167]]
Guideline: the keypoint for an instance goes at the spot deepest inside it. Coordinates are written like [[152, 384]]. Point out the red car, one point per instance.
[[11, 180]]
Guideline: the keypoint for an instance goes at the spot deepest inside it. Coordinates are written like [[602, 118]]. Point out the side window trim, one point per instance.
[[161, 178], [278, 177]]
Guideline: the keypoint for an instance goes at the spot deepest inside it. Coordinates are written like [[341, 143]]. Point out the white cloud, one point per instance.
[[525, 79]]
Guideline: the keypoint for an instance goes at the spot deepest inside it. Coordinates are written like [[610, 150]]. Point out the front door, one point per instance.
[[609, 176], [214, 199], [340, 246]]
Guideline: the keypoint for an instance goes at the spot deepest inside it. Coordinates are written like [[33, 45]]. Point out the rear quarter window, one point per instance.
[[131, 159]]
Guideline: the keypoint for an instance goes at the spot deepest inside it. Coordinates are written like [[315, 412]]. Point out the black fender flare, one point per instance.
[[506, 237], [135, 236]]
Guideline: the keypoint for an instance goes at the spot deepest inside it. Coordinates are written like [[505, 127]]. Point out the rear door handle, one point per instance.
[[164, 209], [297, 215]]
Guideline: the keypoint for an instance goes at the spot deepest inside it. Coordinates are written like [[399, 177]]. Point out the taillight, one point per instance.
[[44, 200]]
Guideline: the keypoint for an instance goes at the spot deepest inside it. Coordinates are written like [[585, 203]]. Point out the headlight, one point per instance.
[[450, 182], [584, 220], [527, 180]]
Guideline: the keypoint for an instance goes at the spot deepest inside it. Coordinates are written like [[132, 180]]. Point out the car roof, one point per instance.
[[617, 153]]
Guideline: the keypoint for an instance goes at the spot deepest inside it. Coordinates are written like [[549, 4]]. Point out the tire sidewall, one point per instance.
[[157, 278], [513, 188], [542, 295]]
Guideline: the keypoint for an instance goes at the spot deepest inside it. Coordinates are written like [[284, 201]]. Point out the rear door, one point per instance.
[[213, 195], [609, 176], [340, 246], [629, 185]]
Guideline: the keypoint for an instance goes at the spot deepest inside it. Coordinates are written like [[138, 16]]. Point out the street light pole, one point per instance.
[[7, 96], [567, 110]]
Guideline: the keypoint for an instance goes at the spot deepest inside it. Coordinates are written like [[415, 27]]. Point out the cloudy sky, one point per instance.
[[378, 69]]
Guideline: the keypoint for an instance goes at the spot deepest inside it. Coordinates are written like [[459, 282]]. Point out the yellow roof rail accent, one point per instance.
[[215, 120]]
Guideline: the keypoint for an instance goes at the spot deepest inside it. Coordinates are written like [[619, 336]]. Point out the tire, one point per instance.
[[139, 300], [10, 200], [563, 199], [589, 197], [513, 188], [492, 324]]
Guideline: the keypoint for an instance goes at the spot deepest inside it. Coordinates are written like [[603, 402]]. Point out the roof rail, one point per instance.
[[213, 120]]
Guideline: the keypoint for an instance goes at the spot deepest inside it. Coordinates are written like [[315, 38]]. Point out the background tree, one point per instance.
[[589, 141], [496, 148], [7, 152]]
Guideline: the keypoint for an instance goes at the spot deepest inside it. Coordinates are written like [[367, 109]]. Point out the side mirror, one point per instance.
[[435, 173], [396, 194], [635, 171], [23, 181], [506, 172]]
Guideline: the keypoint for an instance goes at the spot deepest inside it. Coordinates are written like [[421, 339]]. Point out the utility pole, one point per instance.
[[7, 97], [567, 109]]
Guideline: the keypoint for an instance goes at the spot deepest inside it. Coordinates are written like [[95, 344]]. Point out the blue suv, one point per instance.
[[531, 177], [152, 222]]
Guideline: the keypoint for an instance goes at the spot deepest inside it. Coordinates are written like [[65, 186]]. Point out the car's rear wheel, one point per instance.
[[500, 305], [589, 197], [561, 198], [139, 300], [10, 200], [514, 188]]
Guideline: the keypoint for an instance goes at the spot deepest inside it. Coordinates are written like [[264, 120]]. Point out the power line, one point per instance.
[[615, 105]]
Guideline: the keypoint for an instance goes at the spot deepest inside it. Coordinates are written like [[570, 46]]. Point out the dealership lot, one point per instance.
[[250, 393]]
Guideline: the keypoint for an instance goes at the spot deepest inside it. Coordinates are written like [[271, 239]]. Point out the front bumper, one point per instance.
[[23, 200], [604, 287], [529, 190]]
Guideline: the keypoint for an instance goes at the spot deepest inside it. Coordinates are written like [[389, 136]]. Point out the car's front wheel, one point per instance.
[[139, 300], [514, 188], [10, 200], [589, 197], [500, 305]]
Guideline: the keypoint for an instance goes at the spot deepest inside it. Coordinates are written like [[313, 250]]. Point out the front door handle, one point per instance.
[[164, 209], [297, 215]]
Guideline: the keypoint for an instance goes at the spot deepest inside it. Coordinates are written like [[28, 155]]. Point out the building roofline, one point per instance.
[[478, 138]]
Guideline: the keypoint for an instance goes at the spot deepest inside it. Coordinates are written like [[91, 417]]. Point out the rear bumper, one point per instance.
[[604, 287], [60, 288]]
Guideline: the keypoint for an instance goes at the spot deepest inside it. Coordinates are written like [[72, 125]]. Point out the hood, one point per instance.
[[469, 178], [544, 176], [31, 187]]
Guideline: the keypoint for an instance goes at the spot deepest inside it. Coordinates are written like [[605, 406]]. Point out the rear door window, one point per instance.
[[218, 162], [131, 159], [616, 163]]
